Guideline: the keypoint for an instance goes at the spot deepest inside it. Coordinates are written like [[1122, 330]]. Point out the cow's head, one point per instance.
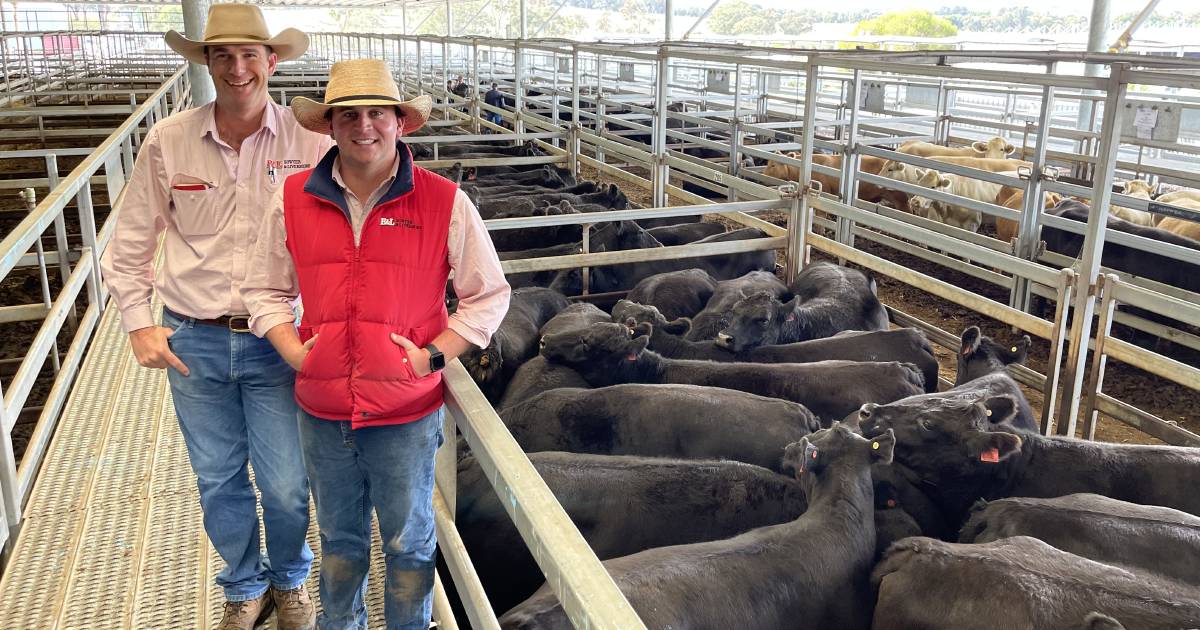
[[484, 364], [894, 169], [923, 206], [605, 354], [997, 147], [838, 449], [755, 320], [776, 170], [979, 355], [944, 438], [1138, 188], [631, 314]]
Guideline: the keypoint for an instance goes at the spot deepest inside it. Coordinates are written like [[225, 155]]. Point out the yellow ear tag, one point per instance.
[[875, 445], [989, 413], [1014, 349]]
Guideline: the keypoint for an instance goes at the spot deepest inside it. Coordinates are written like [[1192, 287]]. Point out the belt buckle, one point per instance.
[[239, 323]]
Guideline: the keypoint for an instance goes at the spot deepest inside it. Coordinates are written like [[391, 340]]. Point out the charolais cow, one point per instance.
[[1018, 582], [609, 354], [515, 341], [831, 183], [621, 505], [685, 421], [902, 344], [995, 147], [964, 451], [827, 299], [811, 573], [710, 321], [1154, 539], [682, 293]]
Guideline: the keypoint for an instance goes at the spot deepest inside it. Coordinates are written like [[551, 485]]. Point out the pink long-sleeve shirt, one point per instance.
[[479, 283], [210, 200]]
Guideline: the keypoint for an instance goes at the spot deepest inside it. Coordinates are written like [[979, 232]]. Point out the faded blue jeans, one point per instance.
[[238, 406], [388, 468]]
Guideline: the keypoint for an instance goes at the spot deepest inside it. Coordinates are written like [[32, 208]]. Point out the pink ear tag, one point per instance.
[[791, 318], [991, 455], [891, 503], [631, 357], [966, 350]]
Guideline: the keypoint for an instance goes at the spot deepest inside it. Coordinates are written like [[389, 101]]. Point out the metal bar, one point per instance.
[[466, 579], [588, 594]]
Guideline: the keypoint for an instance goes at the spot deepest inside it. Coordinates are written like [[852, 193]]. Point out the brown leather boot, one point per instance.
[[247, 615], [294, 609]]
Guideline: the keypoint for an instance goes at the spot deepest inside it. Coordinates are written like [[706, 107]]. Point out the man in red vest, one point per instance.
[[369, 239]]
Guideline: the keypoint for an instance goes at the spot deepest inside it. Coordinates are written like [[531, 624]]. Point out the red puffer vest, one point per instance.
[[394, 281]]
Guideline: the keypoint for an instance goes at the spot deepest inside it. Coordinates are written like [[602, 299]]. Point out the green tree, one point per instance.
[[794, 23], [907, 24], [727, 15]]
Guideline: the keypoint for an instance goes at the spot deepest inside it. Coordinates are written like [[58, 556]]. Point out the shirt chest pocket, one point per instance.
[[197, 209]]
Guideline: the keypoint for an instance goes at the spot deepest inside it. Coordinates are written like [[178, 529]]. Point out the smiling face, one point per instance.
[[240, 73], [366, 134]]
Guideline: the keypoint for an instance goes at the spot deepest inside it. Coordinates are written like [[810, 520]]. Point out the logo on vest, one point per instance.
[[394, 222]]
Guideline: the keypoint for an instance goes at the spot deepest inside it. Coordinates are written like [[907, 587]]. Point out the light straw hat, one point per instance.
[[230, 24], [360, 82]]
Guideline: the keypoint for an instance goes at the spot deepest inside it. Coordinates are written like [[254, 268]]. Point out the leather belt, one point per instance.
[[235, 323]]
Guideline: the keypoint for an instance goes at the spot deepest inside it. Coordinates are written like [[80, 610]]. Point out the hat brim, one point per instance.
[[311, 114], [288, 44]]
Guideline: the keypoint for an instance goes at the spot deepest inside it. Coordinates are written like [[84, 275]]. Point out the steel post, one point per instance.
[[1093, 249], [806, 162], [195, 14], [1027, 234], [659, 128]]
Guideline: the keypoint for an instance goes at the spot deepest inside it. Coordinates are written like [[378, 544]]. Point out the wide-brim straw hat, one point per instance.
[[361, 82], [231, 24]]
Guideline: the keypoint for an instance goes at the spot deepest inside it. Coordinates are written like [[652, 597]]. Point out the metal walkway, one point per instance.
[[112, 536]]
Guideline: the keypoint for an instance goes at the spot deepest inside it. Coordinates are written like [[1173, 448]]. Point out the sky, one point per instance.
[[1070, 7]]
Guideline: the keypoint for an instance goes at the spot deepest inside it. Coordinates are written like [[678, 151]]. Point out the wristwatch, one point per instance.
[[437, 360]]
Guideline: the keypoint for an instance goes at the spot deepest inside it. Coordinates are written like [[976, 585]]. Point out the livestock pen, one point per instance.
[[106, 527]]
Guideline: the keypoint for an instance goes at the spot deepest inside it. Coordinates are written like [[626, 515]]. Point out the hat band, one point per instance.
[[361, 97], [215, 36]]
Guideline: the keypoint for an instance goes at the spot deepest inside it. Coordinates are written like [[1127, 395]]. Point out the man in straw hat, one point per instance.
[[369, 239], [205, 177]]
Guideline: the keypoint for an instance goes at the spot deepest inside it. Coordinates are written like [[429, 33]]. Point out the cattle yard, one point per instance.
[[775, 140]]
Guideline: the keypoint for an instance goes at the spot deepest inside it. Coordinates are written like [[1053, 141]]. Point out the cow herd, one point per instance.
[[993, 156], [745, 453]]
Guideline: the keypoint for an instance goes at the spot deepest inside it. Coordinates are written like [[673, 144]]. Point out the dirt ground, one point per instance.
[[1167, 400]]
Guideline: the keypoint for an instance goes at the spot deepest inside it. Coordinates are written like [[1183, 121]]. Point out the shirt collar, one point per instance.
[[386, 183], [270, 119]]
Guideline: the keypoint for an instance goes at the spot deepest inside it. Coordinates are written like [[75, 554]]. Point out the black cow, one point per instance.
[[515, 341], [609, 354], [684, 421], [1018, 582], [964, 451], [531, 237], [811, 573], [714, 317], [827, 300], [680, 293], [979, 355], [1154, 539], [527, 149], [684, 233], [578, 316], [536, 376], [621, 505], [721, 267], [1123, 257], [902, 344], [892, 523]]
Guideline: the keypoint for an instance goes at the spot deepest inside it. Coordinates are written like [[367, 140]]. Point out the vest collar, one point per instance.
[[321, 183]]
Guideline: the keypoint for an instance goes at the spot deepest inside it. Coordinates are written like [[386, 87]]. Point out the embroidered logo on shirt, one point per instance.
[[394, 222], [273, 167]]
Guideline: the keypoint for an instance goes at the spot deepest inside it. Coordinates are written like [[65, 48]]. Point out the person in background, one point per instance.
[[369, 239], [495, 98], [205, 177]]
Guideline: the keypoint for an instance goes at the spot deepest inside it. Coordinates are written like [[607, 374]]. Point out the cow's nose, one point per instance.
[[724, 340], [542, 343], [866, 411]]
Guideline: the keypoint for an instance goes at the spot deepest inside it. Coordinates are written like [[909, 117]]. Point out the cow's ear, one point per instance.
[[883, 447], [678, 326], [1009, 149], [995, 446], [980, 146], [970, 341], [639, 343], [998, 409], [943, 181]]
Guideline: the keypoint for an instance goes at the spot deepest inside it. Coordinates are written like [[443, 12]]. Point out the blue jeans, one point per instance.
[[495, 118], [236, 406], [389, 468]]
